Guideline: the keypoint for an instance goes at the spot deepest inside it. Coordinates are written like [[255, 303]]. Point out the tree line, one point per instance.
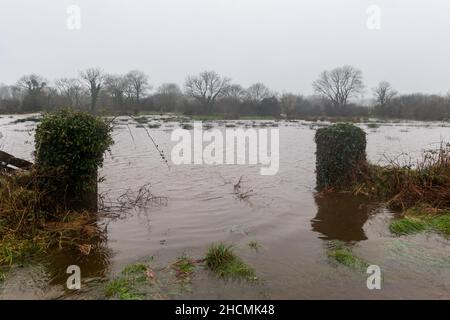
[[338, 93]]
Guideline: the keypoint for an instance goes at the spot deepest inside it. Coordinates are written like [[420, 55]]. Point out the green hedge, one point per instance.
[[340, 148], [69, 150]]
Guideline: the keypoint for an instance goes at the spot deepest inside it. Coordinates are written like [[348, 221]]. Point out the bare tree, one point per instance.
[[139, 83], [289, 103], [258, 92], [94, 78], [236, 92], [168, 97], [5, 92], [32, 83], [117, 86], [33, 88], [71, 89], [207, 87], [339, 84], [384, 93]]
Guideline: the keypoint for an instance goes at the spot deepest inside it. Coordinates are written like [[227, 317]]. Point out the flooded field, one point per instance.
[[292, 227]]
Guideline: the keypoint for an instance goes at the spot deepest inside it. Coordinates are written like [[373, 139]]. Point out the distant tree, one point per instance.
[[384, 93], [94, 79], [10, 98], [168, 97], [288, 103], [116, 86], [206, 88], [72, 90], [4, 92], [236, 92], [269, 107], [33, 87], [258, 92], [138, 83], [339, 84]]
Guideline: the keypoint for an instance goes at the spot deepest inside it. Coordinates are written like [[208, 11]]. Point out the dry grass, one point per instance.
[[424, 183], [32, 223]]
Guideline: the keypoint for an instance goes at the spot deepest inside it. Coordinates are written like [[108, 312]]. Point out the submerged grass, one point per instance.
[[184, 265], [124, 287], [141, 282], [422, 219], [184, 268], [254, 245], [344, 255], [221, 259]]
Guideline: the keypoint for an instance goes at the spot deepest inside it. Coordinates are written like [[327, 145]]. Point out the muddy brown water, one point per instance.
[[290, 223]]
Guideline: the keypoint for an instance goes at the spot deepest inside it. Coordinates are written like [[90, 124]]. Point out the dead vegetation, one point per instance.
[[426, 182], [33, 223], [129, 200], [240, 193]]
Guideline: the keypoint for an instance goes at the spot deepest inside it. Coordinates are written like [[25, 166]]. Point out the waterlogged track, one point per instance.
[[292, 227]]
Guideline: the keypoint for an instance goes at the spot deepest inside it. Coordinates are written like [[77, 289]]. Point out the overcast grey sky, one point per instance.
[[282, 43]]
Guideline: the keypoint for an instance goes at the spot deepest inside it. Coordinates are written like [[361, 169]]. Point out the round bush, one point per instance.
[[69, 149], [340, 148]]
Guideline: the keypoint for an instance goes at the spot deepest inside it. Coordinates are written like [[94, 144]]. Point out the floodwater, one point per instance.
[[292, 225]]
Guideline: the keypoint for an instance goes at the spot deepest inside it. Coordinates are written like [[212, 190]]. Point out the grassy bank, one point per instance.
[[426, 182], [421, 191]]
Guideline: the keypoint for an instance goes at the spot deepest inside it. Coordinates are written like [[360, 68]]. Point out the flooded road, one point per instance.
[[292, 225]]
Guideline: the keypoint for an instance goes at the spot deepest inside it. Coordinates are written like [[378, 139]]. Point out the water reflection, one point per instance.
[[341, 217], [93, 257]]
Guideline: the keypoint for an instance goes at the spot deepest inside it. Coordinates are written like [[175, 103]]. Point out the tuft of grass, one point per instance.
[[344, 255], [137, 272], [441, 224], [416, 220], [134, 269], [14, 249], [124, 286], [407, 225], [184, 267], [221, 259], [185, 264], [154, 125], [122, 289]]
